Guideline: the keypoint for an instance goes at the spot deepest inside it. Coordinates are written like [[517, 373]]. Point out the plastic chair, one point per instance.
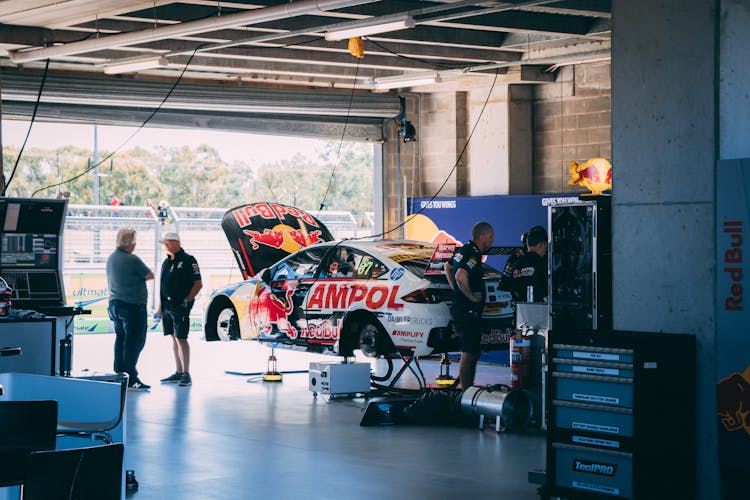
[[93, 473], [25, 426], [98, 430]]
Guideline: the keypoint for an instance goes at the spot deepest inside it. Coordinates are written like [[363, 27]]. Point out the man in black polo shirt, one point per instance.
[[180, 283], [530, 269], [464, 272]]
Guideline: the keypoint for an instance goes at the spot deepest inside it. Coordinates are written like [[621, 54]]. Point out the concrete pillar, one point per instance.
[[664, 143], [500, 151]]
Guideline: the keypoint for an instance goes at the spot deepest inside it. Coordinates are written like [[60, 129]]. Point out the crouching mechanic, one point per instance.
[[180, 283], [464, 272]]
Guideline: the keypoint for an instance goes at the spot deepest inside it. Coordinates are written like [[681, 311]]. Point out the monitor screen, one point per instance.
[[30, 231], [28, 251], [29, 215]]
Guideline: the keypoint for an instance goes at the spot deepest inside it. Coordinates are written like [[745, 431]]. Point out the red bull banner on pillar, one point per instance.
[[733, 325], [261, 234]]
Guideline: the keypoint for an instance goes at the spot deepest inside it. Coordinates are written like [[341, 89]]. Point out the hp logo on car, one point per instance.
[[397, 273]]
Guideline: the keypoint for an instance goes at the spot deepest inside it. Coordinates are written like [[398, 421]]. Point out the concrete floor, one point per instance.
[[228, 438]]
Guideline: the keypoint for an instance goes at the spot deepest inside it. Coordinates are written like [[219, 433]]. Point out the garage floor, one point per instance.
[[228, 438]]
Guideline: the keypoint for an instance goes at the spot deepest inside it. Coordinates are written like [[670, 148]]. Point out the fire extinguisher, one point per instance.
[[66, 351], [520, 360]]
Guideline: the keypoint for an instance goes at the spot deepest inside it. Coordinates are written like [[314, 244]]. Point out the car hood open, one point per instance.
[[263, 233]]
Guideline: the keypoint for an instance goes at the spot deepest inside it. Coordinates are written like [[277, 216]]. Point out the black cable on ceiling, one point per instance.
[[118, 148], [434, 64], [453, 169], [28, 132], [341, 142]]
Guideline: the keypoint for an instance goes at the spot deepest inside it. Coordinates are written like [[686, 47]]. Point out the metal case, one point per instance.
[[339, 378]]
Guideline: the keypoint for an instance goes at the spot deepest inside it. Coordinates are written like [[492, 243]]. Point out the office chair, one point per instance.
[[25, 426], [98, 430], [93, 473]]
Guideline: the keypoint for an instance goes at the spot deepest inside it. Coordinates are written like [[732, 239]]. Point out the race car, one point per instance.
[[383, 297]]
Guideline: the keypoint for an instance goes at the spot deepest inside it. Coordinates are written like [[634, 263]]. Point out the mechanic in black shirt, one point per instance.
[[180, 283], [531, 268], [507, 274], [464, 273]]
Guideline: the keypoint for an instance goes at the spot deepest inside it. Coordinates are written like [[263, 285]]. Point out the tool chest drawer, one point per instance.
[[598, 471], [587, 367], [593, 418], [594, 389]]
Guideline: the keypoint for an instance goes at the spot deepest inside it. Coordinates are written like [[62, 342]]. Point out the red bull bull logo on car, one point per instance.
[[274, 238]]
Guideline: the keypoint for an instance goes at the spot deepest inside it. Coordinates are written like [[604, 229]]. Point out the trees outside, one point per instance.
[[341, 178]]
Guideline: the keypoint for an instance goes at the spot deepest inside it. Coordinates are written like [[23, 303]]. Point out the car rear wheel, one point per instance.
[[373, 341]]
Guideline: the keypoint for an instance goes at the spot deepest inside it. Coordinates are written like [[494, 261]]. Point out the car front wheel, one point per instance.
[[373, 341]]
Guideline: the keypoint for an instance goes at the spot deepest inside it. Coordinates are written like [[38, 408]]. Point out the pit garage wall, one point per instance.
[[680, 105], [522, 143]]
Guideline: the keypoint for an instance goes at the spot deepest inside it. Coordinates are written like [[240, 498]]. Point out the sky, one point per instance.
[[254, 149]]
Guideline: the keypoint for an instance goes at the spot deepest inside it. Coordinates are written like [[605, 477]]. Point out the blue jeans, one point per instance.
[[130, 335]]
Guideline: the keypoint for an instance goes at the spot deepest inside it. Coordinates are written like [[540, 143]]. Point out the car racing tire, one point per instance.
[[221, 322], [373, 341]]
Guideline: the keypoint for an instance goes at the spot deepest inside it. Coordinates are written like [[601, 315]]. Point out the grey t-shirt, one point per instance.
[[126, 277]]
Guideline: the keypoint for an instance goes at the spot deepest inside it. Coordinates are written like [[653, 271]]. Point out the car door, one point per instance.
[[280, 315]]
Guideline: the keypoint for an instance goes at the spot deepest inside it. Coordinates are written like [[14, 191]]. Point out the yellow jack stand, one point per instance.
[[445, 378], [272, 374]]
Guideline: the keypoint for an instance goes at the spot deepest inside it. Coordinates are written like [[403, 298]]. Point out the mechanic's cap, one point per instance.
[[170, 236]]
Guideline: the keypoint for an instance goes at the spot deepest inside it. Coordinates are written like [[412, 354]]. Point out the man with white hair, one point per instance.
[[180, 282], [126, 278]]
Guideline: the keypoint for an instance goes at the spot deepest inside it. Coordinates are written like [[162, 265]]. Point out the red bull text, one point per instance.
[[243, 215]]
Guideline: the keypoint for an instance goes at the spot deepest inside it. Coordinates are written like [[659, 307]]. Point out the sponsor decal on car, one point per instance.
[[414, 320], [397, 274], [323, 333], [406, 333], [334, 295], [276, 237], [243, 215]]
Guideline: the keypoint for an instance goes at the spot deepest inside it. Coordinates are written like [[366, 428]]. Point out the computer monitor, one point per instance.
[[31, 250], [31, 230]]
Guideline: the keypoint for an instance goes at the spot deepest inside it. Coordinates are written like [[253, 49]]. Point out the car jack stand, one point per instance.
[[272, 374], [408, 360], [445, 378]]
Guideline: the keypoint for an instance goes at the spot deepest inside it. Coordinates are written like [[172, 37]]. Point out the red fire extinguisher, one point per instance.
[[520, 360]]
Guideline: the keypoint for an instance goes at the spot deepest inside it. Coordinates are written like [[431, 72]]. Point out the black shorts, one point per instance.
[[469, 328], [176, 320]]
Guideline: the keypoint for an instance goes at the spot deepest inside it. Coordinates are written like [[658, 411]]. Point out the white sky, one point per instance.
[[254, 149]]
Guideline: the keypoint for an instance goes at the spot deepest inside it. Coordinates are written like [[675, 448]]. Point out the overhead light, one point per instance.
[[370, 29], [131, 66], [400, 81]]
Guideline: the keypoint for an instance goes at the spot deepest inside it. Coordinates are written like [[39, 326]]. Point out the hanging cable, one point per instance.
[[122, 145], [341, 142], [31, 124], [453, 169], [434, 64]]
